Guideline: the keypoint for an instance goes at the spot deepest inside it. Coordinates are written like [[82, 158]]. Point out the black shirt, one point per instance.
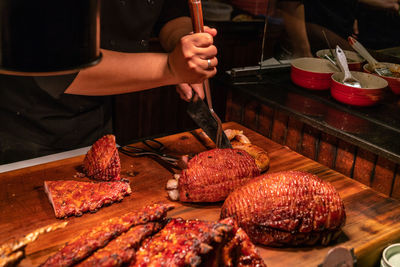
[[37, 119]]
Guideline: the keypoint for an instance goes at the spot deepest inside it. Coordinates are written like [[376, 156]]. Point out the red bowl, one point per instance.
[[312, 73], [370, 94], [354, 60], [394, 83]]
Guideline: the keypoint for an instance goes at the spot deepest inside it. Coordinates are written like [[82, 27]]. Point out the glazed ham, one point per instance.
[[287, 208], [102, 160], [211, 175], [88, 242], [74, 198], [198, 243]]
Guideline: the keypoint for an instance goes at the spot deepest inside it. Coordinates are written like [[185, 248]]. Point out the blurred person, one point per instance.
[[45, 115]]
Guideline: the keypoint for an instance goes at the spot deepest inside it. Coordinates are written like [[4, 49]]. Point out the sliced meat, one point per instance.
[[89, 241], [102, 160], [287, 208], [74, 198]]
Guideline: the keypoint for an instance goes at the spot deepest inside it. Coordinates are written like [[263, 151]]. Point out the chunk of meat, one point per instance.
[[102, 161], [74, 198], [194, 242], [122, 249], [88, 242], [287, 208], [211, 175]]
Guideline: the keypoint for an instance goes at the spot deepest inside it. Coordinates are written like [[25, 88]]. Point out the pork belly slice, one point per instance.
[[194, 243], [102, 161], [74, 198], [211, 175], [122, 249], [287, 208], [88, 242]]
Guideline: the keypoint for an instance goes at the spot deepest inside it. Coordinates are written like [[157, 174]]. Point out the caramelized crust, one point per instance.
[[102, 160], [98, 237], [74, 198], [287, 208], [122, 249], [213, 174]]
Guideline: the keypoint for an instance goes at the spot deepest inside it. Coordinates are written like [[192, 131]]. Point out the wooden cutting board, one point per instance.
[[373, 220]]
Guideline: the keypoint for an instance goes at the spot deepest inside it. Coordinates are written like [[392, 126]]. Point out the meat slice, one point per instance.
[[194, 242], [89, 241], [122, 249], [287, 208], [74, 198], [211, 175], [102, 160]]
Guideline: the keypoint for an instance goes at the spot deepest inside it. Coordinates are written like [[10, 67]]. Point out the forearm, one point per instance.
[[120, 73]]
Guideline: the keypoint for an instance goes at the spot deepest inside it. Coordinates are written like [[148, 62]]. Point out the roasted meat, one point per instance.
[[193, 243], [89, 241], [102, 160], [74, 198], [211, 175], [287, 208], [122, 249]]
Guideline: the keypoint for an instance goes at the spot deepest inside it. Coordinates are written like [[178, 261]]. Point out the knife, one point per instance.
[[202, 114]]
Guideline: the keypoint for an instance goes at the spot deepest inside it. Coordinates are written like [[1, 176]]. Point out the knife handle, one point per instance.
[[196, 13]]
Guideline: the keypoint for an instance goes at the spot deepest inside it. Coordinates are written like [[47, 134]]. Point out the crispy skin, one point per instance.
[[122, 249], [181, 243], [260, 155], [213, 174], [287, 208], [74, 198], [99, 236], [102, 160], [240, 251]]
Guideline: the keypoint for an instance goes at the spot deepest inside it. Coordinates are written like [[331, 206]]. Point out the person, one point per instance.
[[45, 115]]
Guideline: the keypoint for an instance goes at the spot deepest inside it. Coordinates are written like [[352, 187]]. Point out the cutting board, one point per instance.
[[373, 220]]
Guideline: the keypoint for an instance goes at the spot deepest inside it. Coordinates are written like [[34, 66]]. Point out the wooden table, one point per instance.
[[373, 221]]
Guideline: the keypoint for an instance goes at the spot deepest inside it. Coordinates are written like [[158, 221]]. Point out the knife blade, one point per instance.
[[201, 115]]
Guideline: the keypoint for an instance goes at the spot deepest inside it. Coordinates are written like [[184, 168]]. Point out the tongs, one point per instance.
[[198, 26]]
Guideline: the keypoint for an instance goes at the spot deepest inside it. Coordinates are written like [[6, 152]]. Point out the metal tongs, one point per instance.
[[198, 26]]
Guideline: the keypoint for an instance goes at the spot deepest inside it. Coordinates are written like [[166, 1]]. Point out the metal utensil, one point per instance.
[[375, 66], [220, 139], [342, 62], [329, 45], [331, 61]]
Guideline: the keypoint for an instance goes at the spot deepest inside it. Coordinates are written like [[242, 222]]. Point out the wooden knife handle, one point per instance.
[[196, 14]]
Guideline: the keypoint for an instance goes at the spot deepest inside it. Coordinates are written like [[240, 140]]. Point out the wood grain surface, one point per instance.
[[373, 220]]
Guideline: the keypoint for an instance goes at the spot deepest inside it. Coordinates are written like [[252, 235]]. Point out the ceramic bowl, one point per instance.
[[394, 83], [354, 60], [312, 73], [371, 93]]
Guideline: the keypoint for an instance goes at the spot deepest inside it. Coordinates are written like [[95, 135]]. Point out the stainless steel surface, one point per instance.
[[342, 62]]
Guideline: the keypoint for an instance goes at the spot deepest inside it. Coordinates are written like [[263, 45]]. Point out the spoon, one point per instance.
[[342, 62]]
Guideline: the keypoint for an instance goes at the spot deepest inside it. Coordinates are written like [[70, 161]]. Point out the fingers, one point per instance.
[[211, 31], [185, 90]]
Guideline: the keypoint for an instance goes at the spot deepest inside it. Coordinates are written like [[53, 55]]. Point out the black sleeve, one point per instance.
[[171, 9], [55, 85]]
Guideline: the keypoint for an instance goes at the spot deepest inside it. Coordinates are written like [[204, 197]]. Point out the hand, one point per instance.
[[185, 90], [193, 59]]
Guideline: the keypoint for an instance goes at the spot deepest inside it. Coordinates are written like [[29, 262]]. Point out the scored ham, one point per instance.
[[102, 160], [287, 208], [211, 175], [74, 198]]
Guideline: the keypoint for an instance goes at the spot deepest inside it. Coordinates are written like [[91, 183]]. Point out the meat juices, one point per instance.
[[102, 160], [74, 198], [287, 208], [211, 175]]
